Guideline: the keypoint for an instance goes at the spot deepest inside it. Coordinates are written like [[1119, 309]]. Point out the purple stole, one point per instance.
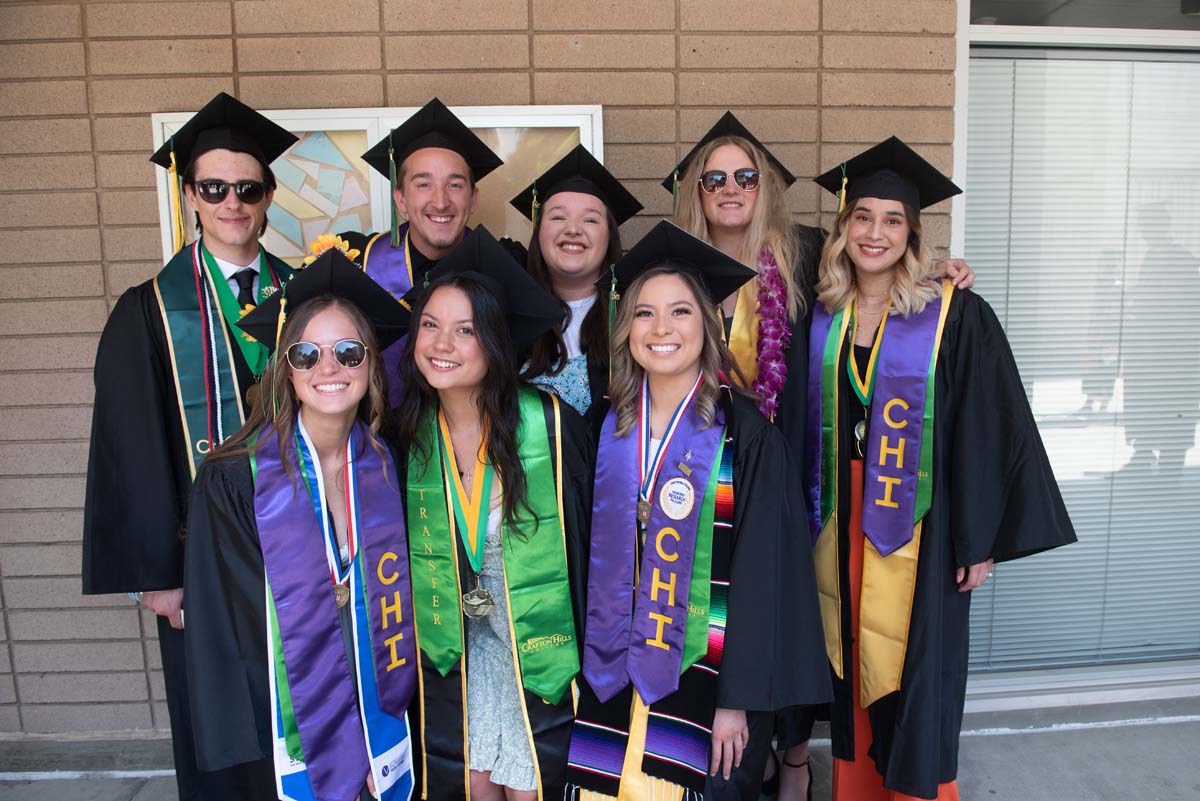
[[641, 640], [321, 681], [898, 475], [390, 269]]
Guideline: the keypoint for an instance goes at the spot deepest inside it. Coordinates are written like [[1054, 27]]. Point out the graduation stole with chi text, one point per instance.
[[537, 583], [897, 478], [647, 623], [195, 302], [326, 735]]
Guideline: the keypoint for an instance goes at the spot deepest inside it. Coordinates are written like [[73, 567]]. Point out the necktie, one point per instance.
[[245, 282]]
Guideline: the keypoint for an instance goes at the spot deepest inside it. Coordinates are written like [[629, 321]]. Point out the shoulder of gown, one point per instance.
[[1004, 500]]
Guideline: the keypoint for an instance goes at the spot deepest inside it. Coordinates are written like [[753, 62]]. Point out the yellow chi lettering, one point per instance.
[[658, 544], [387, 557], [886, 500], [885, 451], [392, 609], [887, 413], [656, 584], [661, 620], [390, 642]]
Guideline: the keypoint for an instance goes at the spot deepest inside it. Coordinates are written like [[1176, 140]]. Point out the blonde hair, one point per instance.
[[912, 286], [625, 387], [770, 226]]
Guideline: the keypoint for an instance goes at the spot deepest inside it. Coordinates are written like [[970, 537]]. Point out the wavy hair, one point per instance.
[[716, 362], [549, 353], [913, 285], [277, 402], [499, 405], [770, 227]]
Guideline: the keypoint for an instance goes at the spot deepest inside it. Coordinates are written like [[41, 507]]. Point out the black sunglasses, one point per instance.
[[713, 181], [304, 356], [213, 191]]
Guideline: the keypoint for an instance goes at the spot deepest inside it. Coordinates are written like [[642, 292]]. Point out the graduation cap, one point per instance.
[[891, 170], [578, 171], [530, 310], [719, 274], [331, 274], [433, 125], [728, 125], [225, 123]]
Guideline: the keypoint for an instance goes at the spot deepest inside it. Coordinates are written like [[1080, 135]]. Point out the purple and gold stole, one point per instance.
[[898, 480], [327, 735]]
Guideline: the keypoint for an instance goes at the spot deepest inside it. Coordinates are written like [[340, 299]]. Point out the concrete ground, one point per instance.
[[1140, 751]]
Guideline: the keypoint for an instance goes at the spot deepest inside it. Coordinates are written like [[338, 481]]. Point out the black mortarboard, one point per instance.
[[667, 242], [331, 274], [225, 123], [530, 310], [578, 171], [728, 125], [891, 170], [433, 125]]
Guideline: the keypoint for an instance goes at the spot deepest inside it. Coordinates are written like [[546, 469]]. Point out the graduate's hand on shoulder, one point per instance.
[[970, 578], [958, 271], [729, 737], [167, 603]]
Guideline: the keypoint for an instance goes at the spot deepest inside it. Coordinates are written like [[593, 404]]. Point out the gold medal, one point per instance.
[[252, 394], [341, 594], [643, 511], [860, 431]]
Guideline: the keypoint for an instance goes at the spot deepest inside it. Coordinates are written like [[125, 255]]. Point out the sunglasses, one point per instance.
[[713, 181], [213, 191], [304, 356]]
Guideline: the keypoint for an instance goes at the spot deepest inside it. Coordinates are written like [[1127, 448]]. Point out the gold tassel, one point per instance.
[[533, 209], [177, 233], [842, 194]]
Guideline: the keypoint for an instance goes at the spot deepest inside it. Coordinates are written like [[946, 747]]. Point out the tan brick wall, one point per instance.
[[78, 216]]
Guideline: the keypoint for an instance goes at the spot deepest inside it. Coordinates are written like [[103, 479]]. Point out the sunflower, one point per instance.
[[326, 241]]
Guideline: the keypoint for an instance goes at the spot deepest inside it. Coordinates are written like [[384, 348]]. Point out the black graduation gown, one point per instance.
[[135, 509], [439, 748], [994, 495]]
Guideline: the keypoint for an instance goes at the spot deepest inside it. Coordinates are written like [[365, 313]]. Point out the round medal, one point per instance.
[[341, 594], [478, 603], [860, 431], [677, 498], [252, 394]]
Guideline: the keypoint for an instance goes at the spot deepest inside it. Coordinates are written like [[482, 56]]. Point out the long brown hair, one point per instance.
[[625, 388], [770, 227], [277, 403], [499, 404], [549, 353], [913, 284]]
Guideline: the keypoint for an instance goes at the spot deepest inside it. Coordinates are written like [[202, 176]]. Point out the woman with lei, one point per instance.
[[299, 638], [497, 484], [702, 615], [576, 207], [730, 191], [924, 468]]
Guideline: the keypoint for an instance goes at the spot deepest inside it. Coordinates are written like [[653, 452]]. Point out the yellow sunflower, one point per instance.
[[326, 241]]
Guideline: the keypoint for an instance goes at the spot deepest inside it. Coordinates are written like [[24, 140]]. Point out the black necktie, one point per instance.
[[245, 282]]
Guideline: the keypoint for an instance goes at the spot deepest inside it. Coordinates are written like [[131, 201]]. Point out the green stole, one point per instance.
[[535, 559], [195, 302]]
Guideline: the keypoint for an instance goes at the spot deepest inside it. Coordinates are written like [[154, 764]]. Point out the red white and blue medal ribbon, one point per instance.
[[650, 459]]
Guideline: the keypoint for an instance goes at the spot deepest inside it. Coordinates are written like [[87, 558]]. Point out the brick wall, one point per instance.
[[78, 215]]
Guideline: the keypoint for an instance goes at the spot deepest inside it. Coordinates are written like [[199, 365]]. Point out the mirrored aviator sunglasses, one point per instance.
[[713, 181], [304, 356], [213, 191]]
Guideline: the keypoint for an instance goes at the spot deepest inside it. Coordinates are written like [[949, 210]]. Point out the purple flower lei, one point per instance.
[[774, 334]]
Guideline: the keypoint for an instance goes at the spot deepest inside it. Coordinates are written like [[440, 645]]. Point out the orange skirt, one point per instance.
[[858, 780]]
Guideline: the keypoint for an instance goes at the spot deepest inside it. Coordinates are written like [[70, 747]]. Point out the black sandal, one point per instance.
[[803, 764]]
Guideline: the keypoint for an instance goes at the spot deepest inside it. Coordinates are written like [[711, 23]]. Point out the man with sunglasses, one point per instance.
[[173, 379]]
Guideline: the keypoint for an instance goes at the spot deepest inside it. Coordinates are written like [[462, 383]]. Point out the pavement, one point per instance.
[[1136, 751]]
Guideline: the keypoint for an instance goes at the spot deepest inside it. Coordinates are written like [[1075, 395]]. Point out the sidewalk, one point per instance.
[[1142, 751]]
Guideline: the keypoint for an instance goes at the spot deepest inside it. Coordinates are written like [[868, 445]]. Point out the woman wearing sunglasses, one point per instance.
[[298, 628], [498, 492], [731, 191], [576, 207], [702, 613], [924, 467]]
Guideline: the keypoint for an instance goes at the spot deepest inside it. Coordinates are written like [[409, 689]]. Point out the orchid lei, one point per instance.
[[774, 334]]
